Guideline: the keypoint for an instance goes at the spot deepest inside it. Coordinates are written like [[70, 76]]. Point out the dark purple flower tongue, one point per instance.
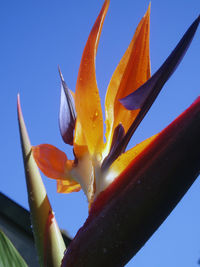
[[67, 114], [145, 95], [117, 138]]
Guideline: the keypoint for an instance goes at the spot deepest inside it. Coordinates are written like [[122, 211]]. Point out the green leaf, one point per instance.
[[9, 256], [48, 239]]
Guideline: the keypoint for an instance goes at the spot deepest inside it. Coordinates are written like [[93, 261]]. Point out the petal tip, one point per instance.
[[198, 19], [107, 3], [67, 114], [18, 105], [149, 8], [60, 73]]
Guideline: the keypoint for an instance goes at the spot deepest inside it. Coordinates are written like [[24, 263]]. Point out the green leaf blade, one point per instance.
[[9, 256]]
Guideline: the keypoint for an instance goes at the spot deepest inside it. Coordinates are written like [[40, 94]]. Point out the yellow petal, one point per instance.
[[132, 71], [124, 159], [65, 186], [80, 146], [87, 100], [51, 161]]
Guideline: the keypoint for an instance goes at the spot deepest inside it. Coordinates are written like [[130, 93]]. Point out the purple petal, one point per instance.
[[145, 95], [67, 114], [117, 138]]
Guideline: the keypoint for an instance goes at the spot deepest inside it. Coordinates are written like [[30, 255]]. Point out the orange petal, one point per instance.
[[87, 100], [124, 159], [121, 163], [51, 161], [65, 186], [132, 71], [80, 147]]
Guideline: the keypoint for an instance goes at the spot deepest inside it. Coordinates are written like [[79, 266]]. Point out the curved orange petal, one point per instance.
[[124, 159], [87, 100], [51, 161], [132, 71], [65, 186]]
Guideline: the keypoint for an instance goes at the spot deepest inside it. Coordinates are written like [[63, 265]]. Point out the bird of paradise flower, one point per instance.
[[130, 94], [130, 192]]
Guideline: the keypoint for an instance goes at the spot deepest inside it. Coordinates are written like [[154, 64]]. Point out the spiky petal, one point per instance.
[[132, 71], [87, 100]]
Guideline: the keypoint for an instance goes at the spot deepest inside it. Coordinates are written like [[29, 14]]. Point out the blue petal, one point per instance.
[[112, 155], [67, 114], [145, 95]]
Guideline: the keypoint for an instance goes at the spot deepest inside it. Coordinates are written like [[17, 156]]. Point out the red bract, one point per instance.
[[127, 213]]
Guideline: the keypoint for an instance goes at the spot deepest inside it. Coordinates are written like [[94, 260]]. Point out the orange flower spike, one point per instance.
[[87, 100], [132, 71]]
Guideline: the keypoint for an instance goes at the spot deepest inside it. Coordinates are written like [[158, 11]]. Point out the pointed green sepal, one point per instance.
[[48, 238]]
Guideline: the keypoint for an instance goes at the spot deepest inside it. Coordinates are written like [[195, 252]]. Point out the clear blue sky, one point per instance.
[[36, 36]]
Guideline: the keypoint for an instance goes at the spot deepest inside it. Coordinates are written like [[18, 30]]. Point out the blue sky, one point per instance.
[[36, 36]]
